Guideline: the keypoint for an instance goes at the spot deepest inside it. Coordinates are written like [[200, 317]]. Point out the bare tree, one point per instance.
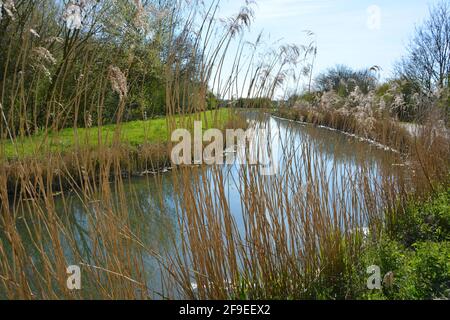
[[428, 59]]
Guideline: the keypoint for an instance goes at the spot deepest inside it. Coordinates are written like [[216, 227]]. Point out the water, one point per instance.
[[151, 202]]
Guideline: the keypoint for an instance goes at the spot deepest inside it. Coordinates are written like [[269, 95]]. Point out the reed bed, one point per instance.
[[302, 230], [391, 134]]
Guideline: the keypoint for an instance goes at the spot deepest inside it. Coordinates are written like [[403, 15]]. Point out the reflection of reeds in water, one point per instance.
[[301, 232]]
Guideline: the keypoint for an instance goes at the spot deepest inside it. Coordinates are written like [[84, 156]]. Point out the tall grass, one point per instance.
[[302, 229], [57, 77]]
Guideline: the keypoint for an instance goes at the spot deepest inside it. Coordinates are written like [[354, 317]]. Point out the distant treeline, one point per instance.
[[248, 103]]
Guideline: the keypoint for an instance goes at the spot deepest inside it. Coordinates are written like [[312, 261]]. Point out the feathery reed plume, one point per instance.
[[9, 7], [118, 81], [73, 15]]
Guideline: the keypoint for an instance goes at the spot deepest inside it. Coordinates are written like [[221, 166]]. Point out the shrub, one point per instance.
[[417, 251], [425, 222], [420, 272], [427, 274]]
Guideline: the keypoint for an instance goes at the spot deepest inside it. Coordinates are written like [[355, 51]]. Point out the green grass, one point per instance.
[[134, 133]]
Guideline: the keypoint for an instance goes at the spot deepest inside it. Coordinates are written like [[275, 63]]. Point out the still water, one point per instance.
[[151, 201]]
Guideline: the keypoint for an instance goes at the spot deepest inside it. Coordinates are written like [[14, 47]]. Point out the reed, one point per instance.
[[297, 235]]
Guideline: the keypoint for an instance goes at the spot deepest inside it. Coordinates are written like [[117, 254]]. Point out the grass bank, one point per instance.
[[134, 133], [73, 158]]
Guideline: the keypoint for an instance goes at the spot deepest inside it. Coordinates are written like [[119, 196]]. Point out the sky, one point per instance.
[[357, 33]]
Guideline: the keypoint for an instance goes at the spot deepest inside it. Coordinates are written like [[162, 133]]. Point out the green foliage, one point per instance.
[[428, 272], [134, 133], [212, 101], [429, 221], [343, 80], [420, 272], [417, 252], [383, 89], [307, 97], [254, 103], [409, 91], [65, 72]]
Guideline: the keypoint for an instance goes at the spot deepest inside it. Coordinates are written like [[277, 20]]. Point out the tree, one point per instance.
[[343, 80], [428, 60], [55, 56]]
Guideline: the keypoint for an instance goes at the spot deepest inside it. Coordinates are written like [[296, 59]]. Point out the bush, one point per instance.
[[344, 80], [250, 103], [425, 222], [417, 251], [427, 274], [420, 272]]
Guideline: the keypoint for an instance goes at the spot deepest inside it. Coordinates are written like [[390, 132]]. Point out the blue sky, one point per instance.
[[346, 30]]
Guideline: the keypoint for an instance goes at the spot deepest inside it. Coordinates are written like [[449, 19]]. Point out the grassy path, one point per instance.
[[134, 133]]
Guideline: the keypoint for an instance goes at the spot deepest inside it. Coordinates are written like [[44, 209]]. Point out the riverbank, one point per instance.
[[134, 133], [426, 153], [369, 141], [385, 133], [72, 158]]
